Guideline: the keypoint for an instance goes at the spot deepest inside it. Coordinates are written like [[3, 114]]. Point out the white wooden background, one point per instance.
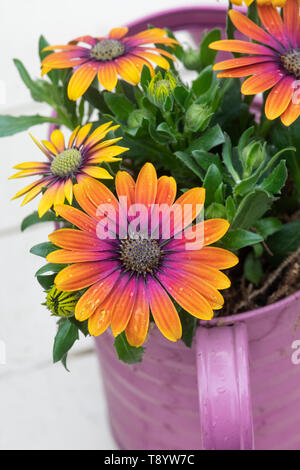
[[41, 405]]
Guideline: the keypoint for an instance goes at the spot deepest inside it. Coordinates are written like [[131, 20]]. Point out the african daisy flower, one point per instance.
[[68, 164], [127, 277], [108, 58], [275, 64], [275, 3]]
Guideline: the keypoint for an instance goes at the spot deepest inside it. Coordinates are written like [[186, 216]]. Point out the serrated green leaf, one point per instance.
[[276, 180], [252, 207], [126, 353]]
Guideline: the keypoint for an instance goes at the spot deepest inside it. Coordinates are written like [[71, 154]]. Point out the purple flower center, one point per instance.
[[291, 62], [107, 49], [140, 255]]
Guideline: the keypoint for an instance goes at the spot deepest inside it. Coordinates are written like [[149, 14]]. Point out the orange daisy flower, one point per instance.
[[108, 57], [68, 164], [275, 64], [127, 276], [275, 3]]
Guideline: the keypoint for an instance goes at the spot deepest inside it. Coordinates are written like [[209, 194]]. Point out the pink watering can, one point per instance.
[[238, 387]]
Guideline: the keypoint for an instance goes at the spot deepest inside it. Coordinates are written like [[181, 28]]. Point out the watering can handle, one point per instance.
[[224, 389]]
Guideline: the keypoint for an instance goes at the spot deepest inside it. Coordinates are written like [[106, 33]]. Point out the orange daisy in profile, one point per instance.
[[129, 275], [108, 58], [68, 164], [275, 64], [275, 3]]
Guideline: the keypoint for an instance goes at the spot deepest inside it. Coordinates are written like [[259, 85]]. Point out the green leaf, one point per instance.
[[210, 139], [205, 159], [227, 158], [36, 91], [43, 249], [266, 227], [119, 105], [50, 268], [54, 74], [34, 218], [230, 209], [203, 82], [158, 137], [237, 239], [10, 125], [253, 269], [46, 281], [286, 240], [165, 128], [65, 338], [208, 55], [212, 181], [81, 325], [126, 353], [276, 180], [96, 99], [189, 325], [181, 96], [190, 163], [252, 207], [216, 211], [244, 139], [145, 77]]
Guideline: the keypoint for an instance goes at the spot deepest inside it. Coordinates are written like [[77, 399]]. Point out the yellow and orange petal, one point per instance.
[[272, 64], [94, 59], [122, 295], [68, 164]]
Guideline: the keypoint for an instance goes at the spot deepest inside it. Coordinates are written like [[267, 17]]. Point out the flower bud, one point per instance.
[[61, 304], [160, 88], [252, 156], [198, 117], [191, 59], [135, 118]]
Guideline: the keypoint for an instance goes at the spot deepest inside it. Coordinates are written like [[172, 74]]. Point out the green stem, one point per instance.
[[265, 128]]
